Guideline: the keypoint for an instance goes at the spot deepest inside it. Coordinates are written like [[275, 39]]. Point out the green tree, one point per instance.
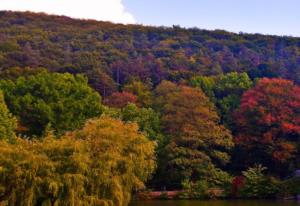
[[7, 121], [225, 91], [147, 119], [206, 84], [55, 101], [228, 91]]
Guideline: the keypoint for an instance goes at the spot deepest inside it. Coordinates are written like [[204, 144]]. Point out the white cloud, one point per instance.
[[106, 10]]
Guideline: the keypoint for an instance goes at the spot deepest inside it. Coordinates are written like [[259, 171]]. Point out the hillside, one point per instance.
[[111, 54], [94, 113]]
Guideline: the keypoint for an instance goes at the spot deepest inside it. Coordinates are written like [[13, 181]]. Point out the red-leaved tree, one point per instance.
[[120, 99], [268, 122]]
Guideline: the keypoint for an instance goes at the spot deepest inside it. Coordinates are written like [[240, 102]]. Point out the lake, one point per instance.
[[216, 203]]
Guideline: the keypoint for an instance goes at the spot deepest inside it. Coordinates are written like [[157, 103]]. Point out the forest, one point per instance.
[[92, 113]]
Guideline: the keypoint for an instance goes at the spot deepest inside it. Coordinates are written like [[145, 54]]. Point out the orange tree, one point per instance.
[[198, 143], [120, 99]]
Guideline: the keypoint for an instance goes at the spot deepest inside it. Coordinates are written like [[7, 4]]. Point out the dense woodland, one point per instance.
[[93, 112]]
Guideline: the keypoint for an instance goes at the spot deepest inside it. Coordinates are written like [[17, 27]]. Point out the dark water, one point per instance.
[[216, 203]]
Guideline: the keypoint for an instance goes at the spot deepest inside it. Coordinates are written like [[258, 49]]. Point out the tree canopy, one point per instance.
[[100, 164], [112, 55], [8, 123], [198, 142], [120, 99], [225, 91], [268, 122], [190, 91], [147, 119], [49, 101]]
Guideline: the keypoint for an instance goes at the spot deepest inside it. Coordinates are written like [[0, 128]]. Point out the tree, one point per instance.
[[124, 52], [120, 99], [142, 91], [101, 82], [228, 91], [225, 91], [122, 158], [101, 164], [16, 72], [198, 143], [48, 172], [268, 124], [7, 122], [147, 119], [206, 84], [55, 101]]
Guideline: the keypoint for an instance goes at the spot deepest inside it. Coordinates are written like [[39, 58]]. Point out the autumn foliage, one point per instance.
[[100, 164], [193, 102], [268, 120], [120, 99], [198, 143]]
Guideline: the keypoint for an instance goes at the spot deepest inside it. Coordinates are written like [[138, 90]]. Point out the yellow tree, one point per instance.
[[101, 164], [142, 91], [122, 158], [7, 121]]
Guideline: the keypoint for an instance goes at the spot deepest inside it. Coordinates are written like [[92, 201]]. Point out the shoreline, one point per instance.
[[175, 195]]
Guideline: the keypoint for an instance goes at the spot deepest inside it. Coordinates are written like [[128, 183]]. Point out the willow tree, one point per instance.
[[122, 159], [7, 121], [51, 172], [99, 165]]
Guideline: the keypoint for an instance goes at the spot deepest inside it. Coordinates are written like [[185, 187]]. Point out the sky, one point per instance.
[[106, 10], [278, 17]]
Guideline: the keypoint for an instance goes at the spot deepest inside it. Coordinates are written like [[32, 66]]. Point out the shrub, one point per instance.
[[258, 185], [237, 184], [215, 185], [290, 187]]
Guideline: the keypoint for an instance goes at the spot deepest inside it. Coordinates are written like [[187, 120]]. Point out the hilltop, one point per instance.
[[112, 54]]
